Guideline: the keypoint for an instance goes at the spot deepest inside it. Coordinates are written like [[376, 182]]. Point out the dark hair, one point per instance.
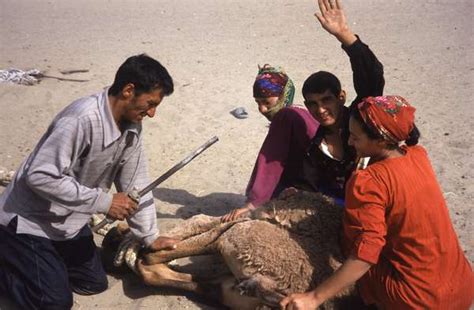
[[321, 81], [145, 73], [413, 136], [373, 134]]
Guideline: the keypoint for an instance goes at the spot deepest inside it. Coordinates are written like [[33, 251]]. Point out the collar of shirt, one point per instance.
[[111, 132], [316, 143]]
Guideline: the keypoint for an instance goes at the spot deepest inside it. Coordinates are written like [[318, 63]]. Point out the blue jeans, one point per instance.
[[38, 273]]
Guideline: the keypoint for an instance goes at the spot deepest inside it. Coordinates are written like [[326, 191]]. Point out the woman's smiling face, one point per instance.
[[364, 146]]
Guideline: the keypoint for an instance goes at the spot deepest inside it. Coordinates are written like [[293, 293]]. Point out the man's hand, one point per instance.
[[333, 19], [122, 207], [235, 214], [164, 243], [305, 301]]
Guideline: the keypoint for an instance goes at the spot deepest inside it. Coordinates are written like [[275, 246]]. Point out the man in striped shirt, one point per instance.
[[46, 247]]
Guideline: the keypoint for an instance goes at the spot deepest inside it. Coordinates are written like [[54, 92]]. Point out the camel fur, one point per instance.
[[288, 245]]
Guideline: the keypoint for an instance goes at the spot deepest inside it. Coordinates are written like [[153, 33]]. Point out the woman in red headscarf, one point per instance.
[[400, 244]]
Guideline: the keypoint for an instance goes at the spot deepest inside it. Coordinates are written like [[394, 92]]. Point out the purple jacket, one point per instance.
[[280, 160]]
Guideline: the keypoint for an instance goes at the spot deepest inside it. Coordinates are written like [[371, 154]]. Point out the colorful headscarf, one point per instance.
[[273, 82], [391, 116]]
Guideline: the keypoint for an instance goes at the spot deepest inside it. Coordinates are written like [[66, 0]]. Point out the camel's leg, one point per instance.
[[161, 275], [263, 288], [232, 298], [201, 244], [197, 245], [193, 226]]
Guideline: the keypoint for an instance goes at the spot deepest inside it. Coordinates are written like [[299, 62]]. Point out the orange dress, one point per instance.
[[397, 219]]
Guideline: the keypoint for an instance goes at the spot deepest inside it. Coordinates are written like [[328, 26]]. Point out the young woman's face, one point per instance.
[[365, 147]]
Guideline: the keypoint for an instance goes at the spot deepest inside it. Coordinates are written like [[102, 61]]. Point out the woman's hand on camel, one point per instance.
[[303, 301], [235, 214]]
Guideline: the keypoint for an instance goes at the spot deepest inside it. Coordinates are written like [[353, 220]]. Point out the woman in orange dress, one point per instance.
[[401, 246]]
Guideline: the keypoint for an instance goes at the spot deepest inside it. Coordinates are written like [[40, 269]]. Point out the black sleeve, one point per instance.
[[366, 69]]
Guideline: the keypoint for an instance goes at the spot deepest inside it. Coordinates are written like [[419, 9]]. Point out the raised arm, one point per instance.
[[367, 70]]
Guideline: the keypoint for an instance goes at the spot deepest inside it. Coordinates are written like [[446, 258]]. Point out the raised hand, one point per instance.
[[333, 20]]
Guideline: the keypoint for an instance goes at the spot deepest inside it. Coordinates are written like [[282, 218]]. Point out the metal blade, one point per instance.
[[178, 166], [164, 177]]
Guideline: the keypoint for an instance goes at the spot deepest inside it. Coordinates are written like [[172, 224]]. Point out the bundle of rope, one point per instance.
[[6, 176], [33, 76], [17, 76]]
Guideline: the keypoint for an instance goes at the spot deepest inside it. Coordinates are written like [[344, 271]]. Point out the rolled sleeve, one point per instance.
[[367, 251], [365, 228]]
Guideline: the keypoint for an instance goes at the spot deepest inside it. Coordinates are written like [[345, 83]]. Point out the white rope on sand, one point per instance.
[[6, 176], [18, 76], [34, 76]]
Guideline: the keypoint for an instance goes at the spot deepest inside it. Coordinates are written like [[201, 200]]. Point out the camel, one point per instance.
[[289, 245]]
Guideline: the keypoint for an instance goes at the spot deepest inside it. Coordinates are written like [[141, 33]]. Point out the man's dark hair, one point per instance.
[[319, 82], [145, 73]]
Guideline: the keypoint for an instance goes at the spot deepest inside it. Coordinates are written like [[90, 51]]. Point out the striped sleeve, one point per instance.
[[47, 171]]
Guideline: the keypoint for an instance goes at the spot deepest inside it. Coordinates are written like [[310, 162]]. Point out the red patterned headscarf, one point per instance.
[[273, 82], [391, 116]]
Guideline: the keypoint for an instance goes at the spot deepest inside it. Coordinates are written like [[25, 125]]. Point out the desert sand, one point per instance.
[[212, 49]]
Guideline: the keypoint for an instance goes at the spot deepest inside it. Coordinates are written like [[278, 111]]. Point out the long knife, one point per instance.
[[135, 195]]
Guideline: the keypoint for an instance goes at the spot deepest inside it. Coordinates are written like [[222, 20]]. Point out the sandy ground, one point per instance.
[[212, 48]]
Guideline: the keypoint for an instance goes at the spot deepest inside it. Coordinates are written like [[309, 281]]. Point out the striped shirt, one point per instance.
[[68, 175]]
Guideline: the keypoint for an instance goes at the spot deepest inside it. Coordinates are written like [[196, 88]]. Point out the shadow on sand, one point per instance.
[[215, 204], [134, 288]]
